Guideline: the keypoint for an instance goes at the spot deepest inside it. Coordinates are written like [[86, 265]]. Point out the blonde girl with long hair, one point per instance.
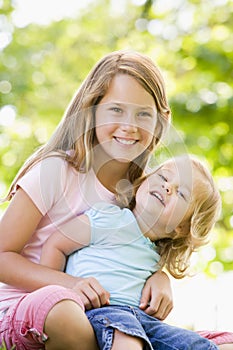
[[114, 122]]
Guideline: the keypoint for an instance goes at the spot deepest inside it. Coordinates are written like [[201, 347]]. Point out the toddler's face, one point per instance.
[[164, 198]]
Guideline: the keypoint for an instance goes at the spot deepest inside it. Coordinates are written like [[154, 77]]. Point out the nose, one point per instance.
[[129, 125], [168, 187], [129, 128]]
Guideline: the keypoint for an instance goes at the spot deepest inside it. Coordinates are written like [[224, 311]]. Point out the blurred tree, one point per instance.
[[191, 40], [195, 41]]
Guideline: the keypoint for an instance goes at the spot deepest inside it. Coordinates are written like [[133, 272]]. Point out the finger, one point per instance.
[[92, 296], [151, 304], [166, 312], [151, 310], [151, 307], [165, 307], [145, 298], [102, 294], [87, 304], [86, 292], [85, 300], [96, 294], [160, 311]]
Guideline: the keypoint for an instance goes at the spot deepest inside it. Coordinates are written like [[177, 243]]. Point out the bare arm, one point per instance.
[[58, 246], [16, 228]]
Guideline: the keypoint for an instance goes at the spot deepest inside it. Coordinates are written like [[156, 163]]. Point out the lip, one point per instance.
[[125, 141], [158, 196]]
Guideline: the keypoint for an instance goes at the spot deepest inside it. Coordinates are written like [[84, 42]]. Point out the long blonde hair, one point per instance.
[[76, 130], [205, 205]]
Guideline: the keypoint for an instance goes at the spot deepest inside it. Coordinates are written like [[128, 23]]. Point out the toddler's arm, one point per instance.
[[59, 245], [156, 299]]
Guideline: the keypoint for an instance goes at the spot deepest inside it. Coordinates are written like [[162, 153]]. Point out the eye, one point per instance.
[[144, 114], [163, 177], [116, 109], [181, 194]]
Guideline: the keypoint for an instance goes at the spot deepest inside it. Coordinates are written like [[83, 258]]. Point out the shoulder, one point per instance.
[[104, 209], [45, 181], [103, 213], [46, 171], [53, 164]]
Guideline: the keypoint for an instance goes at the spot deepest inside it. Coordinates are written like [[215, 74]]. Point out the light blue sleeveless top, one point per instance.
[[119, 256]]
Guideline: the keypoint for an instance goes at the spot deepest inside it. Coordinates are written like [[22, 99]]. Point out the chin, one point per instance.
[[123, 160]]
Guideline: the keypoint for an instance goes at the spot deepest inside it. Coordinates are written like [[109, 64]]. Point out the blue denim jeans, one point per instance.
[[155, 333]]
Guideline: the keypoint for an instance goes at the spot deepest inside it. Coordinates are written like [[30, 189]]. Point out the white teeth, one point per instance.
[[157, 195], [126, 142]]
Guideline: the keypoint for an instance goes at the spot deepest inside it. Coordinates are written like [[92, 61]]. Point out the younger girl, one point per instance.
[[115, 120], [175, 209]]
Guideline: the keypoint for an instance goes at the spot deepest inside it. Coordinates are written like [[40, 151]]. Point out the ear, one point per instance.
[[183, 228]]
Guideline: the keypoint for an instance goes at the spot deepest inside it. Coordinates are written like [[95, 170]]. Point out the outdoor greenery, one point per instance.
[[3, 347], [191, 41]]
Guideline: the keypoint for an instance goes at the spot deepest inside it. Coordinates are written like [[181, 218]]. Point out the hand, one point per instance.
[[156, 299], [93, 295]]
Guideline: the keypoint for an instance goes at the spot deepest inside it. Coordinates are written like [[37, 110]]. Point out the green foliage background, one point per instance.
[[191, 41]]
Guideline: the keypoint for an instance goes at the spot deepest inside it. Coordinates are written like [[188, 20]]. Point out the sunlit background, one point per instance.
[[48, 47]]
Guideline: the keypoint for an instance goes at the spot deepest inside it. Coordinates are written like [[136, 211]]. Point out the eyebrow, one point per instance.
[[187, 187], [132, 104], [163, 167]]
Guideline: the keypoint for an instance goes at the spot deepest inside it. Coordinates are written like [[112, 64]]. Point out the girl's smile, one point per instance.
[[125, 141], [125, 120], [158, 196]]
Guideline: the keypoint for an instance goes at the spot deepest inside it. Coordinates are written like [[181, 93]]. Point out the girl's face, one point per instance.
[[125, 120], [163, 200]]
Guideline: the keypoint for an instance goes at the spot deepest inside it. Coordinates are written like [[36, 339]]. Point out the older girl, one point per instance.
[[113, 123]]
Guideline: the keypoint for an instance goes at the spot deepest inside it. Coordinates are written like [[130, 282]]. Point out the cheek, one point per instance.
[[147, 131], [142, 190], [139, 199], [103, 132], [146, 137], [177, 213], [142, 197]]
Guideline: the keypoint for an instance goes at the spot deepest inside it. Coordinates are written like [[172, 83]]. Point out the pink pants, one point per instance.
[[218, 337], [23, 323]]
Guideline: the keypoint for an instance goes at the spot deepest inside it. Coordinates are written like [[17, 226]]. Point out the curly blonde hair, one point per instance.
[[76, 131], [195, 231]]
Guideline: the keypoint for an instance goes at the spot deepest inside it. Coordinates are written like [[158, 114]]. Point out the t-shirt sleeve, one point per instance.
[[44, 182], [105, 220], [102, 217]]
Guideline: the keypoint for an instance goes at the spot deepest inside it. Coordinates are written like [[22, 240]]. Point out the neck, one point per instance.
[[140, 220], [144, 225], [110, 173]]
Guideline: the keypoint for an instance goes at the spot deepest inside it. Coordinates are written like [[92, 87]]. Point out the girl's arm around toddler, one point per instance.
[[16, 228]]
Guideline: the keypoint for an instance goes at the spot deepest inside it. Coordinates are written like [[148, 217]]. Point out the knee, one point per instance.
[[126, 342], [67, 327]]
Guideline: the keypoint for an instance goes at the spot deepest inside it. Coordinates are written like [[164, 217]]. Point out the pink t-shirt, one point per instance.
[[60, 193]]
